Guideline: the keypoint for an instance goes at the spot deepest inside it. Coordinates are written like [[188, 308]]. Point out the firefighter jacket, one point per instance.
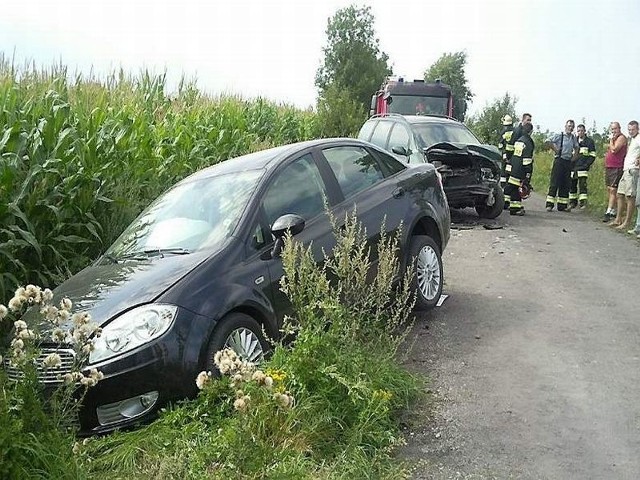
[[586, 154], [522, 159], [505, 138], [515, 135]]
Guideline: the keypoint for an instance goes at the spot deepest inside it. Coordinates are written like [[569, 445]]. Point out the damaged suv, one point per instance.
[[469, 169]]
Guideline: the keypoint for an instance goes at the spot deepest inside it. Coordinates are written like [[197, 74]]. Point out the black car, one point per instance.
[[197, 271], [470, 170]]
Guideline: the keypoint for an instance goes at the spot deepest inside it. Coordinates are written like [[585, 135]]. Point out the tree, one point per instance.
[[487, 124], [353, 61], [339, 115], [449, 68]]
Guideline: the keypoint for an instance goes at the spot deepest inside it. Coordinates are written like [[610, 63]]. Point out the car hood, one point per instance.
[[461, 155], [106, 289]]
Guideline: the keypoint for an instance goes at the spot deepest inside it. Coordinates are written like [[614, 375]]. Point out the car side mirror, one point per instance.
[[288, 222], [401, 151]]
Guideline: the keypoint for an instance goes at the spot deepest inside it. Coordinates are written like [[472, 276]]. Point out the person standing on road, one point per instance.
[[565, 146], [503, 141], [613, 163], [521, 166], [509, 147], [629, 180], [580, 173]]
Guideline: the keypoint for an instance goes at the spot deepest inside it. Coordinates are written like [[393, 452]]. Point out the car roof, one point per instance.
[[266, 159]]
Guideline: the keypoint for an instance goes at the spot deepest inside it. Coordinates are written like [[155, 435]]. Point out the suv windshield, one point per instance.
[[191, 216], [432, 133]]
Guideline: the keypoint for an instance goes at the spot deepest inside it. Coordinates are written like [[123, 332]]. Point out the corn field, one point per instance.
[[80, 158]]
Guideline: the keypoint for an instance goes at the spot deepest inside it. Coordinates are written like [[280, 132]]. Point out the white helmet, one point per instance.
[[507, 120]]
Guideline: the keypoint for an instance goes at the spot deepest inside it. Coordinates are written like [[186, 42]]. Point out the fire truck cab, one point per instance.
[[412, 98]]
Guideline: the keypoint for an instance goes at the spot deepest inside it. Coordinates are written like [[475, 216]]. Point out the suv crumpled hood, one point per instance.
[[457, 155]]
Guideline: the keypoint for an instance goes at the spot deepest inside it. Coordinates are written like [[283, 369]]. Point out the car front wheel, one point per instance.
[[240, 333], [427, 271], [492, 211]]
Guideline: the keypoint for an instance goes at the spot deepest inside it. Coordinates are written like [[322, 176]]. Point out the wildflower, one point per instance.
[[68, 378], [57, 335], [268, 382], [202, 379], [33, 293], [20, 292], [26, 334], [3, 311], [47, 295], [76, 448], [17, 344], [20, 325], [258, 376], [96, 375], [15, 303], [52, 360], [66, 304], [87, 348], [242, 403], [283, 399], [50, 313], [63, 315]]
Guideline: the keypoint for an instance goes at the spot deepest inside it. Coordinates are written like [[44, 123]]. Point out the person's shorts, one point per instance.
[[612, 176], [627, 185]]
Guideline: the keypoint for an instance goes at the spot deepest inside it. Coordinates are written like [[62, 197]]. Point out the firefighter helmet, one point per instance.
[[525, 190], [507, 120]]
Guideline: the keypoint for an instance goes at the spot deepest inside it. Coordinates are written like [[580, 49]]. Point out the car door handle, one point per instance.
[[398, 192]]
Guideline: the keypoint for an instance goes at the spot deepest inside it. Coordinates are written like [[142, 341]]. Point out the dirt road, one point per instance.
[[535, 355]]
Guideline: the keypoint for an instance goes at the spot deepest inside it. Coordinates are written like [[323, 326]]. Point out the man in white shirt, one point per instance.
[[628, 184]]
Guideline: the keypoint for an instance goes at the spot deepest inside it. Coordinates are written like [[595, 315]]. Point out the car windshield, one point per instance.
[[432, 133], [192, 216]]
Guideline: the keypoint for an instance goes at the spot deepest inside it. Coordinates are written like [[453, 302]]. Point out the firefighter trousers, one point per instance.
[[578, 193], [559, 184]]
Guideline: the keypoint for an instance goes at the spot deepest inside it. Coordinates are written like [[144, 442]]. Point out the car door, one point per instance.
[[369, 182], [298, 187]]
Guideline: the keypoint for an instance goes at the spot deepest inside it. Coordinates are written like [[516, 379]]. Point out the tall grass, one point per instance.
[[80, 158]]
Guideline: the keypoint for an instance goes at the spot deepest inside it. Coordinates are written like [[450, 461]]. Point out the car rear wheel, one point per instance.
[[240, 333], [427, 271], [492, 211]]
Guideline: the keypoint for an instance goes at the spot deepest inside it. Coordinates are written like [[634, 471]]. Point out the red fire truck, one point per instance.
[[412, 98]]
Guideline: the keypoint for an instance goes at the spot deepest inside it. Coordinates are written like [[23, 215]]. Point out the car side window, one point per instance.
[[298, 188], [366, 130], [354, 167], [390, 165], [381, 133], [399, 137]]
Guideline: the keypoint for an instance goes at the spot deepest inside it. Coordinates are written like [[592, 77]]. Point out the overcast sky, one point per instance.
[[561, 59]]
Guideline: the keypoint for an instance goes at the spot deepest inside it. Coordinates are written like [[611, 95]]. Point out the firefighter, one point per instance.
[[505, 137], [565, 146], [515, 135], [580, 173], [521, 166]]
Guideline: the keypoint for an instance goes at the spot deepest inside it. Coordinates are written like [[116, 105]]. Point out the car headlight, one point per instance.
[[133, 329]]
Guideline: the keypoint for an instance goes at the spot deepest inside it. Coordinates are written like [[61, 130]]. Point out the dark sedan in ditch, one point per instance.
[[197, 271]]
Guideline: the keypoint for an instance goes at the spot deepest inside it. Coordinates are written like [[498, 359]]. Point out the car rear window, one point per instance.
[[381, 133]]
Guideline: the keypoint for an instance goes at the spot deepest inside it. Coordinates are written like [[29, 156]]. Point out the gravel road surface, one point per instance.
[[534, 358]]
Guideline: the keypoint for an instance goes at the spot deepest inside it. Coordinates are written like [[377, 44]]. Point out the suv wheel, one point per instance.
[[492, 211], [427, 271]]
